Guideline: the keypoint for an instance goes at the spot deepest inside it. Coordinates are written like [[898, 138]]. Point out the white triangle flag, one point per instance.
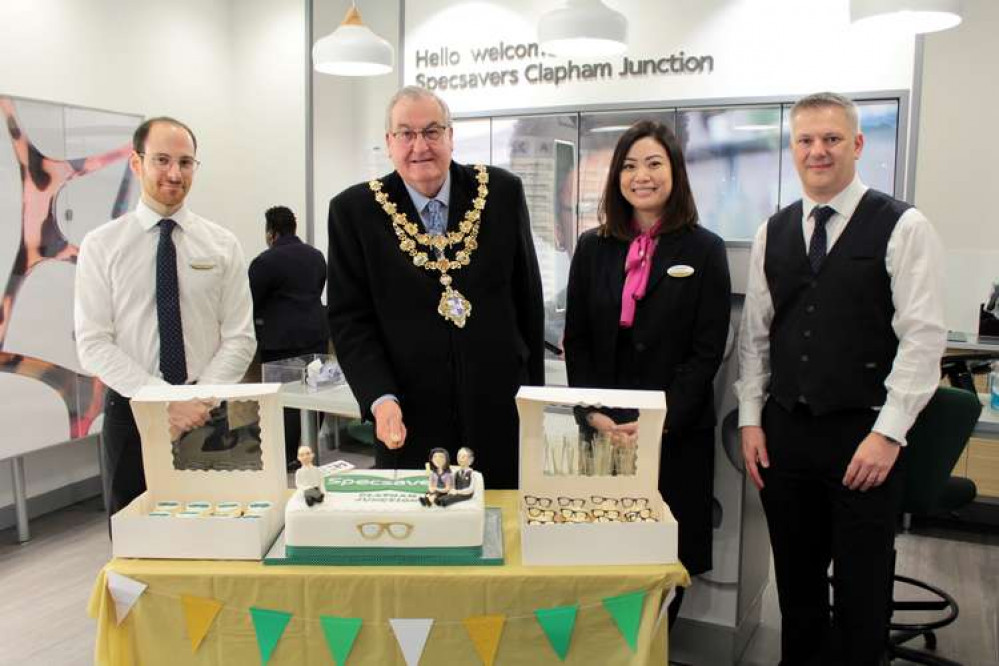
[[125, 592], [664, 609], [412, 636]]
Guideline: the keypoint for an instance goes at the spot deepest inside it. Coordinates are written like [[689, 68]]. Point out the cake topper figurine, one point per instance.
[[439, 478], [308, 478], [462, 488]]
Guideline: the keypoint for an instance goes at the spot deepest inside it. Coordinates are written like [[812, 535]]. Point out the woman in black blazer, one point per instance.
[[648, 308]]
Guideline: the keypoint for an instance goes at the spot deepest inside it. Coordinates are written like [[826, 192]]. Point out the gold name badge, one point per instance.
[[680, 271]]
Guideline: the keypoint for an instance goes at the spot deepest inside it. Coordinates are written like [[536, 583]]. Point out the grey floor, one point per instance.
[[45, 585]]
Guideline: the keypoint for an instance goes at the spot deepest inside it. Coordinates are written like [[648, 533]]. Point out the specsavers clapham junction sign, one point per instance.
[[509, 65], [483, 56]]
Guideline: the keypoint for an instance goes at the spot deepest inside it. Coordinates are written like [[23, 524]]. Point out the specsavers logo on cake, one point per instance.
[[361, 483]]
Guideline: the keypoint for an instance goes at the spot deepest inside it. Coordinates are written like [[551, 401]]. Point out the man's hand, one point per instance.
[[600, 422], [871, 463], [754, 451], [389, 427], [186, 415]]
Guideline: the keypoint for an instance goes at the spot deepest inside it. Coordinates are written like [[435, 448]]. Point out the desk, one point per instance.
[[154, 632]]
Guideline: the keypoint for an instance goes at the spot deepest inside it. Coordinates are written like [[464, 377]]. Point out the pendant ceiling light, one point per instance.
[[583, 28], [353, 50], [913, 16]]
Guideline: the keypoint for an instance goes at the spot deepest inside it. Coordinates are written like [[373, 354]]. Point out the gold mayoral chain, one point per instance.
[[453, 306]]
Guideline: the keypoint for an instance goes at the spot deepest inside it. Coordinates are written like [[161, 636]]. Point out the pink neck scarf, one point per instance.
[[636, 272]]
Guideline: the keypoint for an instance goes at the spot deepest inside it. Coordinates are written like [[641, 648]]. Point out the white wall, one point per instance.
[[957, 172], [231, 69]]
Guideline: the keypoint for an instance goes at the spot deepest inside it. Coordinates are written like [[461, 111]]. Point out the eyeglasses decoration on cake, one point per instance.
[[372, 531]]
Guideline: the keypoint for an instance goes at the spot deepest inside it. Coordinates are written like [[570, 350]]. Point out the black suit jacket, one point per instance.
[[455, 386], [286, 282], [680, 326]]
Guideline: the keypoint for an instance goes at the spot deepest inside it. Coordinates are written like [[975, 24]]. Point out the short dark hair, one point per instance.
[[615, 211], [280, 220], [142, 132]]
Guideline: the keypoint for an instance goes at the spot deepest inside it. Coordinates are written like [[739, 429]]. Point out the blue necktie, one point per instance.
[[173, 360], [817, 246], [436, 224]]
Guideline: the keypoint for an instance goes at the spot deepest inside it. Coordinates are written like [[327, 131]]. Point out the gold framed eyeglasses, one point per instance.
[[163, 162], [372, 531], [543, 502], [430, 134]]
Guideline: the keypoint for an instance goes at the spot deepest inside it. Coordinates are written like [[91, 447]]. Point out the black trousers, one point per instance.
[[124, 476], [292, 417], [814, 520]]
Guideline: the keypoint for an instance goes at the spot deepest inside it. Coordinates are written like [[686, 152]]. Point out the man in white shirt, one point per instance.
[[840, 349], [161, 297]]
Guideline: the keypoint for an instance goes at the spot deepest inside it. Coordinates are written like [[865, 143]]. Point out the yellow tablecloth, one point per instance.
[[155, 632]]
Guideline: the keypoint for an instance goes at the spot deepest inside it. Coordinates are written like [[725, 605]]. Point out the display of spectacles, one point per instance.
[[591, 509]]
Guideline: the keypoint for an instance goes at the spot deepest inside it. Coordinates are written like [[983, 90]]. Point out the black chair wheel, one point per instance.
[[930, 640]]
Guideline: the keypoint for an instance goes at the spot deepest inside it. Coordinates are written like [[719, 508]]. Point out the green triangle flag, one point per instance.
[[558, 624], [269, 625], [340, 634], [626, 609]]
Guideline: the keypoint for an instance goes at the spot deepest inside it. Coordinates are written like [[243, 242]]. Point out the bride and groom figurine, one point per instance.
[[447, 486]]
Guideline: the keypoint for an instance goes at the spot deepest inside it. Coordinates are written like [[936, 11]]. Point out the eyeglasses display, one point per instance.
[[592, 509]]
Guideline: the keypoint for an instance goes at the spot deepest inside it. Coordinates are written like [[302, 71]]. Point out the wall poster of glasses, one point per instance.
[[63, 171]]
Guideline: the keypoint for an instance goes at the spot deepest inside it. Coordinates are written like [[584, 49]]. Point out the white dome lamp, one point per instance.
[[583, 28], [353, 49], [911, 16]]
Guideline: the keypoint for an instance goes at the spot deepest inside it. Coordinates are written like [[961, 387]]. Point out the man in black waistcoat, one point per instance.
[[839, 351], [287, 281], [435, 302]]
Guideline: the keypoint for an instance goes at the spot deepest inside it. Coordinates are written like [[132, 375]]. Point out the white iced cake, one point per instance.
[[381, 509]]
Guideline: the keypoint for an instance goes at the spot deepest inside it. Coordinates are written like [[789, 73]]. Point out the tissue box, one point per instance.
[[581, 489], [238, 456]]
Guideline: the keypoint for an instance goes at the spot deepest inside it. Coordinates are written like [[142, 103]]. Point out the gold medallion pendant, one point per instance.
[[453, 306]]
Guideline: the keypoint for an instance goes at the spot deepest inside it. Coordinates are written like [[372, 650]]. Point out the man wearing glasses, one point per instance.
[[435, 297], [162, 297]]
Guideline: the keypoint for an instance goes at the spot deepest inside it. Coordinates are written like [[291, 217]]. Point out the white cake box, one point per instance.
[[237, 457], [581, 543]]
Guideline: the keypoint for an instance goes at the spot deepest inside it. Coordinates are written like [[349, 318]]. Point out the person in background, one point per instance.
[[840, 350], [435, 298], [161, 297], [648, 308], [287, 281]]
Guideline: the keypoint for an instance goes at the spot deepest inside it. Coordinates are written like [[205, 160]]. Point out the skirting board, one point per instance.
[[53, 500]]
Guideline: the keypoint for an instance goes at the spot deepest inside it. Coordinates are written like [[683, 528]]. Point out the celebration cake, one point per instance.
[[387, 517]]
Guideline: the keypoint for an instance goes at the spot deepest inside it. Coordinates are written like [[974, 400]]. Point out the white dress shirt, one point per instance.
[[914, 262], [117, 332]]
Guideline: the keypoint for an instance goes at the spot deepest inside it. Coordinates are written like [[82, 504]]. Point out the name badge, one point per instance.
[[680, 271], [202, 264]]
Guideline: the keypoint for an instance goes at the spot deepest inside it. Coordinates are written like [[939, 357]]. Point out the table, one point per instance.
[[154, 632], [339, 401], [335, 400]]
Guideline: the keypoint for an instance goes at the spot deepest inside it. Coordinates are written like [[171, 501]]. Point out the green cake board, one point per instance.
[[490, 554]]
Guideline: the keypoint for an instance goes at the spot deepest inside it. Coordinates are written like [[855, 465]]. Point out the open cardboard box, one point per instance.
[[592, 542], [226, 476]]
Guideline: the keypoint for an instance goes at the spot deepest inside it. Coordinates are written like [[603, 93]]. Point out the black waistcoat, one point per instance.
[[831, 340]]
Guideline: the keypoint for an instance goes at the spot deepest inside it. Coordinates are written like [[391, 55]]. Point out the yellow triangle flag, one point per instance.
[[199, 613], [485, 632]]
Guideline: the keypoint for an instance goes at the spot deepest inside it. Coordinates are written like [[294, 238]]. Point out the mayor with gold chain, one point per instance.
[[435, 299]]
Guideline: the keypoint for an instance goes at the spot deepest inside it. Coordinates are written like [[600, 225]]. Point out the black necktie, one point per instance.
[[817, 246], [173, 361]]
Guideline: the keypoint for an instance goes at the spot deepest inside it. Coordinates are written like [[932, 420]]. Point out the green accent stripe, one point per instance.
[[463, 556]]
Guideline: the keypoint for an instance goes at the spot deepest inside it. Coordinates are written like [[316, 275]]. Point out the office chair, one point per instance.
[[936, 441]]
